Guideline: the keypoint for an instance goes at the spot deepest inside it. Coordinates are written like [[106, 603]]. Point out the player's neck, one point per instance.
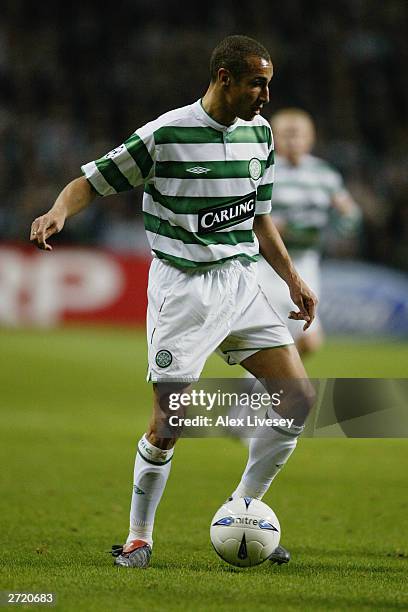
[[215, 107]]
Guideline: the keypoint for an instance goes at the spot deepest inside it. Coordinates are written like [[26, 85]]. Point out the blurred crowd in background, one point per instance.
[[76, 80]]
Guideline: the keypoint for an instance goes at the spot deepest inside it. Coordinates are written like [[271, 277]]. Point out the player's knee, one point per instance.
[[309, 396], [302, 400]]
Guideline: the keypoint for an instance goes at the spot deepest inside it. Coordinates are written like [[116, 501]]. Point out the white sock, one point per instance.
[[152, 468], [267, 455]]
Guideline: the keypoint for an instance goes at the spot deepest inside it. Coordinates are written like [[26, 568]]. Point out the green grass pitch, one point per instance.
[[74, 403]]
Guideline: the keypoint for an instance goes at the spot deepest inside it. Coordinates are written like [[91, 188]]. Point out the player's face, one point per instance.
[[294, 136], [246, 97]]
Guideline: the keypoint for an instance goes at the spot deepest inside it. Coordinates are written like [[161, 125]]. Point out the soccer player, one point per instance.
[[309, 197], [207, 171]]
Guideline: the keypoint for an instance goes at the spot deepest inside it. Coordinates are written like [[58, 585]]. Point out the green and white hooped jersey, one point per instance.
[[302, 199], [203, 184]]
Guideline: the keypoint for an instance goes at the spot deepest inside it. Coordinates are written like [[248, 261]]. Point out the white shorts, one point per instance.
[[191, 314], [307, 263]]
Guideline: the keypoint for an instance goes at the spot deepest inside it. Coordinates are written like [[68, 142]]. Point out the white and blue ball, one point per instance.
[[245, 531]]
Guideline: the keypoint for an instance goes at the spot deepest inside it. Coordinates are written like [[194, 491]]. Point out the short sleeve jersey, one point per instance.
[[203, 184], [303, 199]]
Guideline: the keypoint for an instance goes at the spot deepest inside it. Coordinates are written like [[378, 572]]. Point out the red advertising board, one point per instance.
[[71, 284]]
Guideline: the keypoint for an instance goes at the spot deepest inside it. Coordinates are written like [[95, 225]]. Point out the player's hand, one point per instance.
[[45, 226], [306, 301]]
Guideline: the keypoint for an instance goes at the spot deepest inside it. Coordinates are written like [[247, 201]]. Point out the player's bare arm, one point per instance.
[[274, 251], [344, 204], [76, 196]]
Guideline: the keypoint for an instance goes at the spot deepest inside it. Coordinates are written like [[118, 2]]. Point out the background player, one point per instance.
[[309, 196], [207, 169]]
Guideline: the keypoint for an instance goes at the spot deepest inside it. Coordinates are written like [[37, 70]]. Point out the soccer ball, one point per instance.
[[245, 532]]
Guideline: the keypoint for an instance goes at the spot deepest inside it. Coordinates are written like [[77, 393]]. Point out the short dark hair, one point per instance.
[[232, 53]]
